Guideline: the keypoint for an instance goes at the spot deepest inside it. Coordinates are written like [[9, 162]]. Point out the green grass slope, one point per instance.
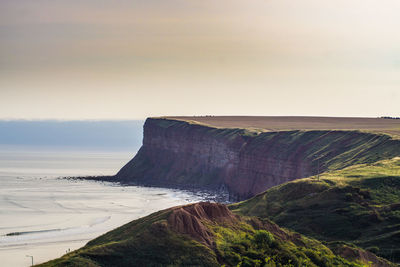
[[206, 234], [359, 204]]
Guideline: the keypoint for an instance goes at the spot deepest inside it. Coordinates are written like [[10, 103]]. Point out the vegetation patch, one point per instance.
[[359, 204]]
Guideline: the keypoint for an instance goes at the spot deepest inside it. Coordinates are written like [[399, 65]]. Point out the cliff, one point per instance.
[[244, 162]]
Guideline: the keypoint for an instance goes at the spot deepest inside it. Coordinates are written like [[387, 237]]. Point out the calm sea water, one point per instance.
[[44, 216]]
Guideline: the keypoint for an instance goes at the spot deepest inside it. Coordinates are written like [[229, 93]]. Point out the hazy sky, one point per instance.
[[129, 59]]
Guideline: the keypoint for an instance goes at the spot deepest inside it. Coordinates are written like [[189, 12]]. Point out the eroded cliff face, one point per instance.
[[190, 220], [186, 155]]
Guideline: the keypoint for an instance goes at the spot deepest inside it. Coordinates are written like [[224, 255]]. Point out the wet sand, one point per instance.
[[44, 216]]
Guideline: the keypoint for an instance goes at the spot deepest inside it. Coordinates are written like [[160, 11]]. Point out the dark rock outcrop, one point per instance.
[[188, 155]]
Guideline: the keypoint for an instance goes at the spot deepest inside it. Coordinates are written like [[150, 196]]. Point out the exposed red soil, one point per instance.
[[361, 255], [190, 220]]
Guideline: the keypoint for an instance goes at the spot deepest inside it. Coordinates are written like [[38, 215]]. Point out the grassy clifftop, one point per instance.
[[290, 123], [359, 204]]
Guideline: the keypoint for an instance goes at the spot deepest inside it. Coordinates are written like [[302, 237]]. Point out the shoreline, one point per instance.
[[219, 196]]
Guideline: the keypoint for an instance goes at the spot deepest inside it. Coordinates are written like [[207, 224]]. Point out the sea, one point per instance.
[[43, 216]]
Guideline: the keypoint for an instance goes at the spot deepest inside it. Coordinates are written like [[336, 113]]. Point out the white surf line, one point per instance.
[[15, 203], [100, 221], [41, 243], [57, 203]]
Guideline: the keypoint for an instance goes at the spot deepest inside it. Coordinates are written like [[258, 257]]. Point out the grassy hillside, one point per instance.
[[206, 234], [359, 204]]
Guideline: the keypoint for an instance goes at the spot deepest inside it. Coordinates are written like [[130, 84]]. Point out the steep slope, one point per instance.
[[207, 234], [245, 162], [359, 204]]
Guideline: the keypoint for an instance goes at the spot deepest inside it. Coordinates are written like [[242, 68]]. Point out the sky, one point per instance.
[[130, 59]]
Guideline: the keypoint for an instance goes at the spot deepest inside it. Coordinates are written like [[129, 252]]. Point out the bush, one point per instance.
[[288, 258], [263, 238], [255, 255], [317, 258], [247, 262], [373, 249], [238, 248], [246, 243], [233, 258]]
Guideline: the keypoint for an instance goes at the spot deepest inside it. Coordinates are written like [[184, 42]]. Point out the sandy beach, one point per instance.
[[44, 216]]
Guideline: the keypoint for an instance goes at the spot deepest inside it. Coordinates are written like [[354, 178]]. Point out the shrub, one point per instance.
[[263, 238], [232, 258], [247, 262], [373, 249]]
